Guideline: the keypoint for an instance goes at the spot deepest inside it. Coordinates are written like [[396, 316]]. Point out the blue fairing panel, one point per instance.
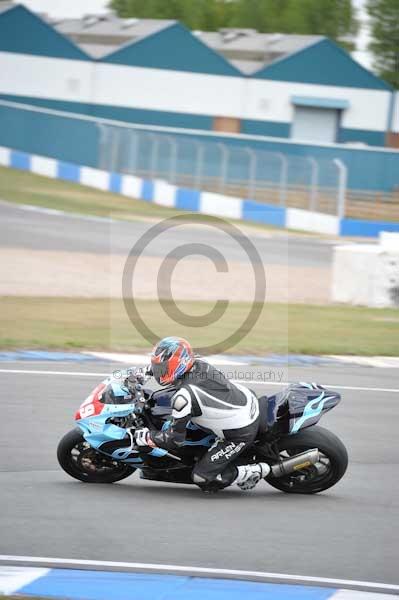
[[299, 405], [312, 412], [307, 402]]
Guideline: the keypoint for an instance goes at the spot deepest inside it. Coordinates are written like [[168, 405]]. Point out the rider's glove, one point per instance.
[[135, 378], [142, 438]]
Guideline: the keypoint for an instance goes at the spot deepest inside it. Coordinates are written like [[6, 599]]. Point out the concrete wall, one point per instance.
[[366, 275]]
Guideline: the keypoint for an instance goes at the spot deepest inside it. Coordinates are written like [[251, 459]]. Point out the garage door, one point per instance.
[[316, 124]]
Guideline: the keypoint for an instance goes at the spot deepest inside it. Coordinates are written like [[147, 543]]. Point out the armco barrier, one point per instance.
[[165, 194]]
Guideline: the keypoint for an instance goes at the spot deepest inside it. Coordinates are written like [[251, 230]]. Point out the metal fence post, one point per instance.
[[154, 154], [223, 166], [133, 153], [102, 136], [173, 158], [283, 178], [114, 149], [253, 158], [342, 184], [199, 164], [314, 180]]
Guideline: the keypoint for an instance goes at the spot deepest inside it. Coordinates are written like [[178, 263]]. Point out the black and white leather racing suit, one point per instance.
[[230, 411]]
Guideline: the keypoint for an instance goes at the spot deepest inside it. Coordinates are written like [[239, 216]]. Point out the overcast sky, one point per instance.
[[67, 8], [363, 40], [77, 8]]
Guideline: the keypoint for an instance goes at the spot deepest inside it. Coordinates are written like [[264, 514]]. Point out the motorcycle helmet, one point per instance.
[[171, 358]]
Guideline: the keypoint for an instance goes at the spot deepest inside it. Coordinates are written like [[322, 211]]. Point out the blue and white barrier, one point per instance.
[[209, 203]]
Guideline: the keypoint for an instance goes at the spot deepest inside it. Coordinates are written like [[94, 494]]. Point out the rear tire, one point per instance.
[[312, 480], [82, 462]]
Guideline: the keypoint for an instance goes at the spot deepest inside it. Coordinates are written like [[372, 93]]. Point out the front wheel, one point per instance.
[[82, 462], [319, 477]]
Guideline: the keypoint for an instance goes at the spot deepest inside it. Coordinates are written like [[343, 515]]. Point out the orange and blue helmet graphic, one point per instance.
[[171, 358]]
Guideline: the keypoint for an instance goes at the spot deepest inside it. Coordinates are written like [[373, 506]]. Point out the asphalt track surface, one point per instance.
[[349, 532], [36, 230]]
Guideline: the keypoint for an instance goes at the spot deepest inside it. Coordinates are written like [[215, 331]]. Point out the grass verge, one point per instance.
[[22, 187], [100, 324]]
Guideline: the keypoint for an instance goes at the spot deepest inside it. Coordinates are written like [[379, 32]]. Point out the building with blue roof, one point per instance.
[[23, 32], [157, 72]]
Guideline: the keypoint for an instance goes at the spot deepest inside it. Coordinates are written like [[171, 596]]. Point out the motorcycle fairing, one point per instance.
[[312, 412], [98, 432], [307, 402], [300, 405]]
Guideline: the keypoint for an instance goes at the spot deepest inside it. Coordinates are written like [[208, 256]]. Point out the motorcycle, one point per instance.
[[304, 457]]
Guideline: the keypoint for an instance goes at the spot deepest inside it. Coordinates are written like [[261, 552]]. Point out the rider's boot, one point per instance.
[[249, 475]]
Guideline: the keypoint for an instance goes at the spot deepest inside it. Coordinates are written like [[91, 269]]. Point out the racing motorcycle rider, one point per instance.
[[206, 398]]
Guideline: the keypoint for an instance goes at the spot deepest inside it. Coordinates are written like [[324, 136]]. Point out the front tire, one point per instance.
[[81, 461], [317, 478]]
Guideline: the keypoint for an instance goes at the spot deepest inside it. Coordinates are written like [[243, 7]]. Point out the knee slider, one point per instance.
[[198, 479]]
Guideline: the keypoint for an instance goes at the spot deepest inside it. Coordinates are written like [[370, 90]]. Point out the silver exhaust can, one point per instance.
[[295, 463]]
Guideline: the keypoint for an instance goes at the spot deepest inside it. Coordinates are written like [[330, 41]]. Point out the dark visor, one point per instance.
[[159, 370]]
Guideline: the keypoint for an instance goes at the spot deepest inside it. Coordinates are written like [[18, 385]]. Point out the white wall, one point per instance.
[[272, 101], [119, 85], [174, 91], [43, 77], [181, 92]]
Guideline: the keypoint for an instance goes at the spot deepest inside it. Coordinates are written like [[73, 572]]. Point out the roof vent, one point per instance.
[[276, 37], [126, 23], [230, 34], [90, 20]]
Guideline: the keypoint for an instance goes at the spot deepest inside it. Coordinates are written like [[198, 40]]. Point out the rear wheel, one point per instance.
[[82, 462], [319, 477]]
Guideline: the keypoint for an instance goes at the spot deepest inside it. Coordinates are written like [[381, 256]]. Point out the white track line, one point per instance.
[[202, 571], [57, 213], [244, 381], [68, 373]]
